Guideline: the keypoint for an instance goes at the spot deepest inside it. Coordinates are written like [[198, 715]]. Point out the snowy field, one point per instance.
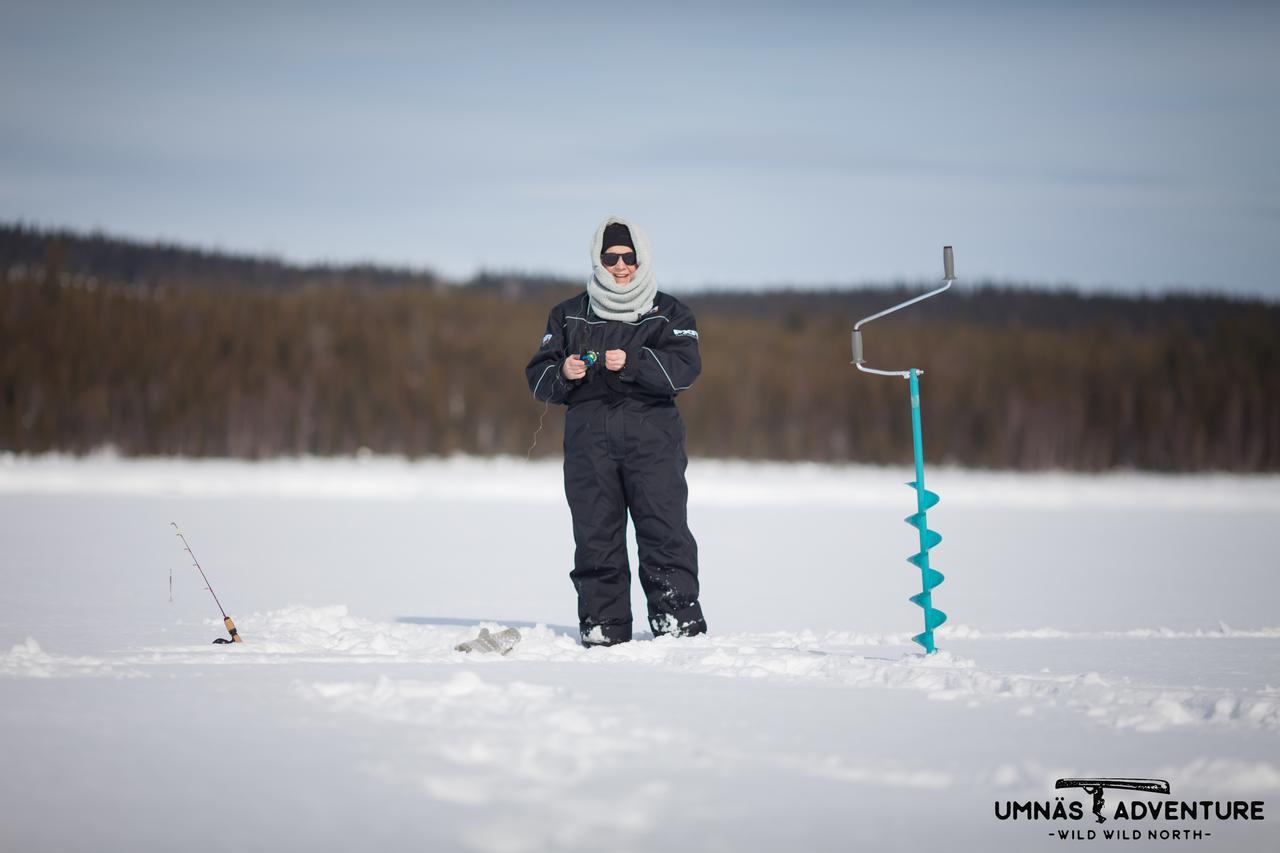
[[1100, 626]]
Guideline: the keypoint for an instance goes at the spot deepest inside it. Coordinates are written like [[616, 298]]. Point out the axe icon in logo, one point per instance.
[[1095, 786]]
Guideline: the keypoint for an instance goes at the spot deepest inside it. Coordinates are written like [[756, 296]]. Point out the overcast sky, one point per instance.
[[1108, 144]]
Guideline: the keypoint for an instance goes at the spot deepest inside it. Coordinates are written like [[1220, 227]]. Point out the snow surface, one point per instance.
[[1116, 625]]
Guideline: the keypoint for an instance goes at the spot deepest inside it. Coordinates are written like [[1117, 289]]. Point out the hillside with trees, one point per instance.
[[159, 349]]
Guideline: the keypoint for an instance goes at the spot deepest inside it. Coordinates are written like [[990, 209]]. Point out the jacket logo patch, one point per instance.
[[686, 333], [546, 338]]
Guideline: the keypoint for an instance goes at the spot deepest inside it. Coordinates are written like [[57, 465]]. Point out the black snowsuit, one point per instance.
[[624, 450]]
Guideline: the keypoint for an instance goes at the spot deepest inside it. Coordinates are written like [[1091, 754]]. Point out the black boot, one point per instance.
[[605, 635]]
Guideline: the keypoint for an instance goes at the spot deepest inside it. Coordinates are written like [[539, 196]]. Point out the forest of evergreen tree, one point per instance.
[[158, 350]]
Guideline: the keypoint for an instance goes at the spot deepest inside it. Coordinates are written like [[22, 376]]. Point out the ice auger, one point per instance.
[[925, 499]]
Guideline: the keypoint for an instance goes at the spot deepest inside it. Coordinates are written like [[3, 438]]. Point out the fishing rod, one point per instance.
[[226, 620]]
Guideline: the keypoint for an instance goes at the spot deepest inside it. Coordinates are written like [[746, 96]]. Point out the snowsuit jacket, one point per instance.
[[661, 347]]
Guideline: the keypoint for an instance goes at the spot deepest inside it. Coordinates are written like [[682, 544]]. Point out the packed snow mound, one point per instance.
[[28, 660], [331, 634]]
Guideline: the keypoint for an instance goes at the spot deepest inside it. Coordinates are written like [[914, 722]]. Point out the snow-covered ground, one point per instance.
[[1101, 626]]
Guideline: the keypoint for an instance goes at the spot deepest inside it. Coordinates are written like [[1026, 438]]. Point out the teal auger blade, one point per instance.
[[918, 520], [930, 498], [932, 538], [929, 577], [933, 617]]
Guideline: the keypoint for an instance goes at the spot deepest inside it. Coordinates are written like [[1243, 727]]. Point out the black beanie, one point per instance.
[[617, 234]]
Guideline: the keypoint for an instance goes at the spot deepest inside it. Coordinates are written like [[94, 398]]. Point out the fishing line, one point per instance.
[[529, 454]]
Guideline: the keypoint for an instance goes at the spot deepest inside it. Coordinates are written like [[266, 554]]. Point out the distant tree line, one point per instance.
[[165, 350]]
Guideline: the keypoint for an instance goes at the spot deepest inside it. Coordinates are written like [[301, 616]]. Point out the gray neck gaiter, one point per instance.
[[632, 301]]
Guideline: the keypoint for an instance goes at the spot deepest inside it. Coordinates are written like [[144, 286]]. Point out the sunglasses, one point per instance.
[[611, 258]]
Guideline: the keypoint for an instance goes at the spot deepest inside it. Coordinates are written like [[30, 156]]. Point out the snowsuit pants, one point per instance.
[[619, 456]]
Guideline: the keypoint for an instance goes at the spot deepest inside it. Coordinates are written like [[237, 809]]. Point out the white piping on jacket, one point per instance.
[[664, 371], [539, 383]]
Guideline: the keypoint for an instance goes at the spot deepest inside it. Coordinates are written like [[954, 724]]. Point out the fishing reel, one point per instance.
[[589, 358]]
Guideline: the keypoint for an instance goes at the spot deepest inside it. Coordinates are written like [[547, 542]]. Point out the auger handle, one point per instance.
[[859, 360]]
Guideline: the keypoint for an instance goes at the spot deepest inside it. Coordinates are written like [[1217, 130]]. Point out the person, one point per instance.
[[617, 355]]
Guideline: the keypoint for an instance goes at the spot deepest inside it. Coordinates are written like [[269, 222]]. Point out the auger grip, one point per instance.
[[857, 348], [948, 264]]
